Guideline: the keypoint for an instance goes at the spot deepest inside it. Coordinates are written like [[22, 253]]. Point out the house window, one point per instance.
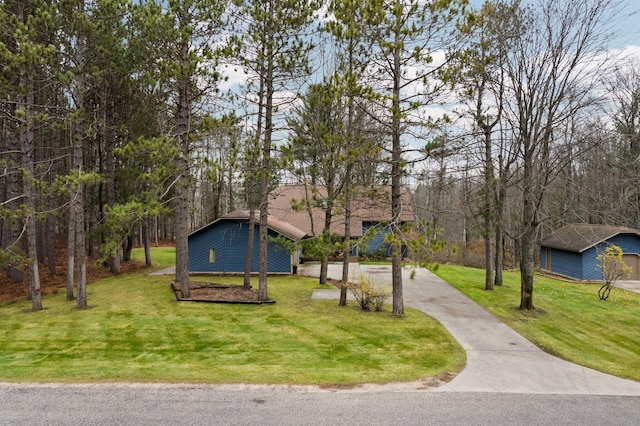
[[212, 255]]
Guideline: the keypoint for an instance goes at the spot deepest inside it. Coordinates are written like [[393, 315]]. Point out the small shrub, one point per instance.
[[613, 268], [368, 296], [378, 297]]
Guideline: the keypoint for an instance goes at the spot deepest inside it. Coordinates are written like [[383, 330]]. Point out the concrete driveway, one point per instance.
[[629, 285], [498, 359]]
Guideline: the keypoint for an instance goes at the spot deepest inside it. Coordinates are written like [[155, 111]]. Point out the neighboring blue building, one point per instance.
[[572, 250], [376, 245], [221, 246]]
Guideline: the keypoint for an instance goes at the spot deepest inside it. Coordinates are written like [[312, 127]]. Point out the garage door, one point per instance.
[[633, 261]]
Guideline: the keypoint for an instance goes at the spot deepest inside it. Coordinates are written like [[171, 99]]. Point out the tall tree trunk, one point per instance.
[[488, 226], [128, 248], [527, 236], [347, 230], [77, 202], [251, 196], [71, 241], [264, 188], [51, 241], [396, 182], [326, 236], [27, 145], [109, 143], [347, 177], [146, 240], [499, 258], [231, 205], [217, 190], [488, 261], [267, 75], [527, 268], [32, 253], [52, 219], [181, 225], [251, 188], [501, 196], [80, 249]]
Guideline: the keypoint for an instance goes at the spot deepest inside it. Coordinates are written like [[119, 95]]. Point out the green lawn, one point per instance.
[[570, 321], [161, 257], [136, 331]]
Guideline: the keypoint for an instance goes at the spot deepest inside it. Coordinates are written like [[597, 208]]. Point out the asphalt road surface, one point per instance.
[[281, 405]]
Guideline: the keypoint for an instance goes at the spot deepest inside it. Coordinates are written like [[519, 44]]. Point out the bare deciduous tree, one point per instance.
[[552, 73]]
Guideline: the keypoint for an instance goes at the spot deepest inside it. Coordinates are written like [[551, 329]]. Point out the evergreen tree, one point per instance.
[[406, 77], [273, 47]]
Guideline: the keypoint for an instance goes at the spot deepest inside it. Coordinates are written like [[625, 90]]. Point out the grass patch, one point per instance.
[[136, 331], [570, 321], [161, 257]]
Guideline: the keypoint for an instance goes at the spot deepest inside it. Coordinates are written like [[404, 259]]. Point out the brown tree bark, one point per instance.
[[396, 181], [71, 258], [109, 144], [347, 229], [146, 240], [181, 224], [264, 182]]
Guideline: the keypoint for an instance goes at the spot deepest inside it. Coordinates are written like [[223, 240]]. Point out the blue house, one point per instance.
[[221, 246], [572, 250], [376, 244], [305, 206]]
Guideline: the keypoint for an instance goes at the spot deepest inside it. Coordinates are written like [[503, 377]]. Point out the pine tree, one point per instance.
[[273, 48], [406, 77]]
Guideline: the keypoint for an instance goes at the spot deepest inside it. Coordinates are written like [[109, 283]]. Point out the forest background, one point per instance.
[[139, 121]]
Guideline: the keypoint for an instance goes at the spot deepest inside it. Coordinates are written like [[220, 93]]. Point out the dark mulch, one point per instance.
[[218, 293]]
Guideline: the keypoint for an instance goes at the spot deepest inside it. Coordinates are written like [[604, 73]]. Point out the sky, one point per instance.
[[625, 43], [627, 26], [626, 37]]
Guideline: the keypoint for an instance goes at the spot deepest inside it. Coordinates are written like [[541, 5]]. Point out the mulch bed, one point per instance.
[[219, 293]]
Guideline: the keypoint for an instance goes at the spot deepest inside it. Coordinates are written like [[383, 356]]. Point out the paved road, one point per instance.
[[273, 405], [498, 358]]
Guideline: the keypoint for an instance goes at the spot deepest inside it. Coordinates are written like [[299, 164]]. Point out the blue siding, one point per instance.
[[584, 266], [376, 244], [229, 238], [590, 270], [627, 242], [566, 263]]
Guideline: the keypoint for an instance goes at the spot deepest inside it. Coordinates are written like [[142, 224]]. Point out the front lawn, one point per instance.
[[135, 331], [570, 321], [161, 257]]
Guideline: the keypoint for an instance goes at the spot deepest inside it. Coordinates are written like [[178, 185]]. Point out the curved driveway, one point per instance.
[[498, 358]]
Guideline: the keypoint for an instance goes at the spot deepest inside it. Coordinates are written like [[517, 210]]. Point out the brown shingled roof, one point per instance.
[[580, 237], [371, 204], [283, 228]]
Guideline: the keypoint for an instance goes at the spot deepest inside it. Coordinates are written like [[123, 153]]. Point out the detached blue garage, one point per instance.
[[221, 246], [572, 250]]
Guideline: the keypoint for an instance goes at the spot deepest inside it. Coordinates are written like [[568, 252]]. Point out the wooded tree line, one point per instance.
[[116, 123]]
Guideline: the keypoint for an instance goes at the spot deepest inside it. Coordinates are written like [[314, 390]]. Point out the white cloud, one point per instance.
[[234, 76]]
